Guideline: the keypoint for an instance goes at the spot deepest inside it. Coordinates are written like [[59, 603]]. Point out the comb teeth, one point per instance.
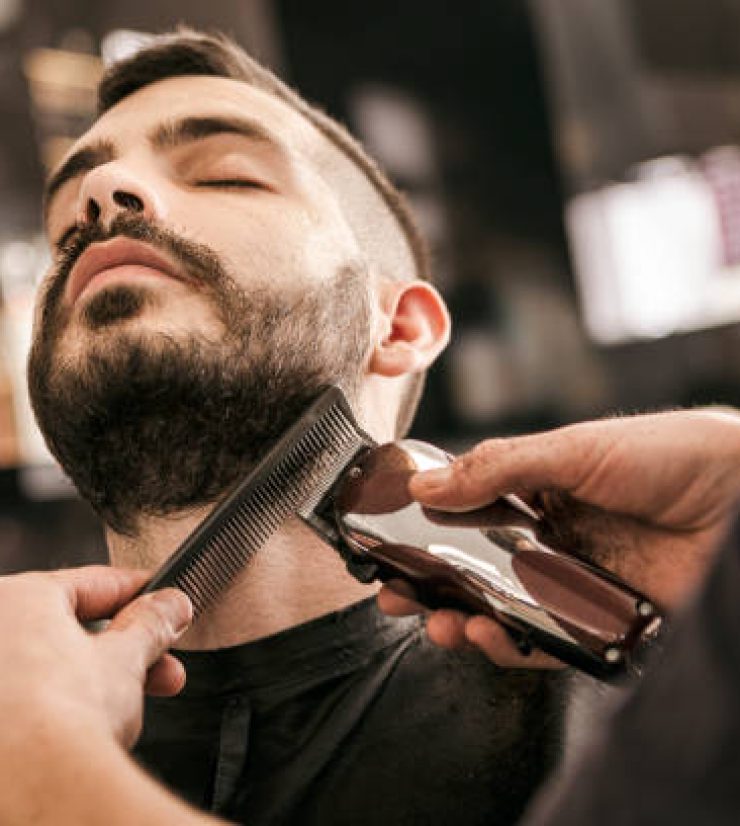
[[297, 472]]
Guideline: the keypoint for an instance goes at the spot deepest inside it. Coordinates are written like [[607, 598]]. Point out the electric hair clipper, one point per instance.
[[496, 561]]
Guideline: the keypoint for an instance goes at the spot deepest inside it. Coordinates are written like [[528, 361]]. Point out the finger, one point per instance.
[[147, 627], [396, 598], [446, 628], [518, 465], [497, 645], [165, 678], [98, 591]]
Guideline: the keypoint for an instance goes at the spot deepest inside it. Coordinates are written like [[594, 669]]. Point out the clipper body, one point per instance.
[[493, 561]]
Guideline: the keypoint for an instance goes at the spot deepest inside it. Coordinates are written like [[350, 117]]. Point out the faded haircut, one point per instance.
[[383, 225]]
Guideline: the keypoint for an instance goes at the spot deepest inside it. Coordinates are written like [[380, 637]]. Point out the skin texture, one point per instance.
[[281, 227], [648, 497], [671, 481], [148, 425], [104, 673], [270, 212], [72, 698]]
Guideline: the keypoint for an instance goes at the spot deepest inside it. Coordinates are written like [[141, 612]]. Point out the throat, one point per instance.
[[294, 578]]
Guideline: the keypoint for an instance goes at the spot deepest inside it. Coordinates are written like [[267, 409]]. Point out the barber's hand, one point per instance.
[[648, 497], [55, 670]]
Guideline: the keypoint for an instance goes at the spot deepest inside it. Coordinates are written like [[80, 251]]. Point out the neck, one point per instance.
[[294, 578]]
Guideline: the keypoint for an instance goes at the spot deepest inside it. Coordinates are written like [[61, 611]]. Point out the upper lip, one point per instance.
[[117, 252]]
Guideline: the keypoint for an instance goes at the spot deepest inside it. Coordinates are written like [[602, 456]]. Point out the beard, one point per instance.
[[148, 424]]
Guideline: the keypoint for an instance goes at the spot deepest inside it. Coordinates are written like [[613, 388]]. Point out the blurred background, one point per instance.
[[575, 163]]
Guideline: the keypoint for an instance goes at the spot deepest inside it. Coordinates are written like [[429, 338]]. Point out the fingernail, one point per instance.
[[436, 478]]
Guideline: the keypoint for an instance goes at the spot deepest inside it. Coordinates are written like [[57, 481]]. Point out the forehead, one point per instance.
[[134, 118]]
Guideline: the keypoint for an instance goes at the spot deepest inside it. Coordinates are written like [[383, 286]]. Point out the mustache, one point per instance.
[[198, 262]]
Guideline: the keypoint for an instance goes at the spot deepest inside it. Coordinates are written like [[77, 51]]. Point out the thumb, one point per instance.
[[523, 465], [143, 631]]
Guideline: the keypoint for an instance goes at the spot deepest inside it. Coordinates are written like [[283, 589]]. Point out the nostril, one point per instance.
[[93, 211], [128, 201]]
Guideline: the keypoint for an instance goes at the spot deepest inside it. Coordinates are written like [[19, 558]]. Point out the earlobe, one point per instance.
[[417, 328]]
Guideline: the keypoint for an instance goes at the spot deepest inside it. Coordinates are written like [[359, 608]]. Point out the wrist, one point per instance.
[[70, 772], [48, 759]]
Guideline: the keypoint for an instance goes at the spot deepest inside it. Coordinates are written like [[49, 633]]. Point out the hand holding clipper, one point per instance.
[[498, 560], [503, 559]]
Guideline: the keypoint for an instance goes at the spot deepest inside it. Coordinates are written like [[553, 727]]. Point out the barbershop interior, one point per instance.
[[574, 166]]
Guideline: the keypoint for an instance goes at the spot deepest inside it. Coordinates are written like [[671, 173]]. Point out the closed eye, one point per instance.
[[229, 183]]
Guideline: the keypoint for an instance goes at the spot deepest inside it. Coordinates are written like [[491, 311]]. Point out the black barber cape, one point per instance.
[[354, 718], [670, 754]]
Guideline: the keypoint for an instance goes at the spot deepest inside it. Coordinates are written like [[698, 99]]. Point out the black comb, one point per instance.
[[298, 471]]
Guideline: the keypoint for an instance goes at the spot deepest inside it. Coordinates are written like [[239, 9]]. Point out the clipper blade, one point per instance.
[[296, 473]]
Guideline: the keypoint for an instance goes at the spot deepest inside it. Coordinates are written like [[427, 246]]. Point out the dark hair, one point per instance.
[[190, 52]]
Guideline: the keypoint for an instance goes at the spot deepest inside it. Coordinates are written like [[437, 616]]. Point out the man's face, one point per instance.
[[205, 286], [219, 163]]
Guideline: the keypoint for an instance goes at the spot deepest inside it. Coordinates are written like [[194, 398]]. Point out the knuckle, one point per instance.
[[146, 622], [471, 465], [482, 468], [155, 625], [486, 451]]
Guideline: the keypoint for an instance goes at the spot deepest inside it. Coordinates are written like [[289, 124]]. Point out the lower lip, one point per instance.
[[125, 273]]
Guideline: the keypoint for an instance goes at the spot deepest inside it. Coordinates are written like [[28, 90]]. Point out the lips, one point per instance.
[[118, 253]]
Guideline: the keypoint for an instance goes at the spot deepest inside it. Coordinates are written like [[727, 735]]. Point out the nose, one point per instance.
[[111, 189]]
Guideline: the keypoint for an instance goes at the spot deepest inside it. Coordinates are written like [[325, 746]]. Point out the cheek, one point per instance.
[[277, 246], [270, 240], [330, 247], [330, 243]]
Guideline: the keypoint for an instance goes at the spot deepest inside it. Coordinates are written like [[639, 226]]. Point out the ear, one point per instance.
[[415, 330]]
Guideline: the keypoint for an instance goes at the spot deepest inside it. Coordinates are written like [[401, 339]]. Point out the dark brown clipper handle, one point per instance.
[[491, 561]]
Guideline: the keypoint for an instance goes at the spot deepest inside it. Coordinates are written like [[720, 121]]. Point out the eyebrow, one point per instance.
[[188, 130], [170, 135]]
